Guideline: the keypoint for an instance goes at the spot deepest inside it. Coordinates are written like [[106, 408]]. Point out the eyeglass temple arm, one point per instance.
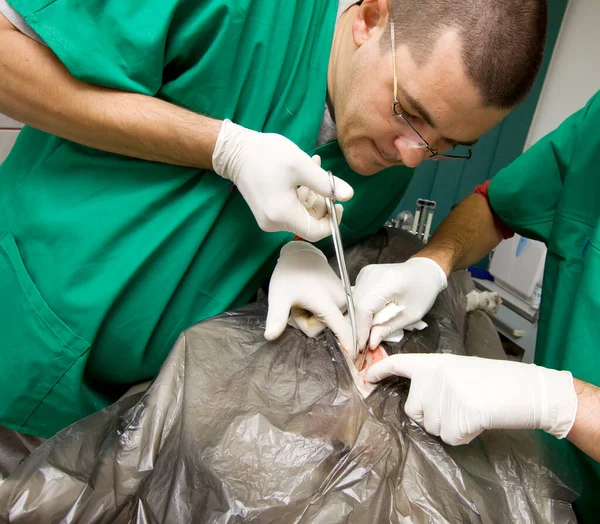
[[393, 38]]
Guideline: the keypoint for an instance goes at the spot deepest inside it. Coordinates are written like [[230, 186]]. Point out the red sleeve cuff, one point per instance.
[[482, 190]]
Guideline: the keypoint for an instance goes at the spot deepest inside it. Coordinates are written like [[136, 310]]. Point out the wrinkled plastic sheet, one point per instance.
[[238, 429]]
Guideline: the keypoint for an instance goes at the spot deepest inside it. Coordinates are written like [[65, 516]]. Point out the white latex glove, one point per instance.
[[413, 286], [303, 279], [457, 397], [267, 169]]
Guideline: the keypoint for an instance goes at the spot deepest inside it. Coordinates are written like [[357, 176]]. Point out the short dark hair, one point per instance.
[[503, 40]]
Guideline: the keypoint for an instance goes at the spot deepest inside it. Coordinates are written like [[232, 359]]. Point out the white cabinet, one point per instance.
[[9, 129], [9, 123], [518, 265], [7, 139]]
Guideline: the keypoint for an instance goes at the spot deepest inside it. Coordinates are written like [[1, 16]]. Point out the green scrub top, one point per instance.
[[105, 259], [551, 193]]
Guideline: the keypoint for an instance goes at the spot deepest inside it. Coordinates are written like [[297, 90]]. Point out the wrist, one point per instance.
[[585, 433], [443, 261], [191, 139], [559, 407], [210, 139], [436, 270]]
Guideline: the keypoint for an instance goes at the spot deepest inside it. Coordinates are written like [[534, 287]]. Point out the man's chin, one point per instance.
[[363, 166], [365, 159]]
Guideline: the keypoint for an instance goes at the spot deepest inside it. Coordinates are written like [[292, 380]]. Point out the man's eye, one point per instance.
[[412, 118]]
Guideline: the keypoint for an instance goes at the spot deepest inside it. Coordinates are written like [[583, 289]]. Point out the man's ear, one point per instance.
[[372, 15]]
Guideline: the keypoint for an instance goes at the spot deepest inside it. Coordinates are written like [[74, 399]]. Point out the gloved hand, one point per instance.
[[413, 286], [267, 169], [304, 279], [458, 397]]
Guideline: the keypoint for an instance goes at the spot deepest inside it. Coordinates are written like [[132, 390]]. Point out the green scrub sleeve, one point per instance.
[[526, 193], [111, 43]]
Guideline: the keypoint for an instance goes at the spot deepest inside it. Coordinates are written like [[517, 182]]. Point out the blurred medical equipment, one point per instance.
[[419, 224], [423, 219]]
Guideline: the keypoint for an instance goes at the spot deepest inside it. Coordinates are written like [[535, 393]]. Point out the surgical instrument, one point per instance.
[[339, 253]]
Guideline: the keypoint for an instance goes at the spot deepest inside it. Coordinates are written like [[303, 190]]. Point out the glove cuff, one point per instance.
[[560, 409], [439, 272], [225, 151]]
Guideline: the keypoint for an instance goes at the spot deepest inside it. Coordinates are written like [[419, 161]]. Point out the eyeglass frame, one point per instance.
[[434, 153]]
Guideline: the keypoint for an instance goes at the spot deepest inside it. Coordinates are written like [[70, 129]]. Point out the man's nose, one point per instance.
[[411, 156]]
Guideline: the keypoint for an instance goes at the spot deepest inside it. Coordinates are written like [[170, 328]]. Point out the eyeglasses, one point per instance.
[[404, 129]]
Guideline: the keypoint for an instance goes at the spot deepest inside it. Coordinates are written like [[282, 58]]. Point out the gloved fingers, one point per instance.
[[337, 292], [400, 365], [313, 176], [343, 190], [304, 195], [432, 422], [302, 224], [364, 320], [341, 328], [414, 403], [306, 322], [451, 434], [315, 204], [365, 306], [339, 212], [311, 318], [317, 208], [277, 314], [457, 426], [311, 326], [310, 200], [328, 312]]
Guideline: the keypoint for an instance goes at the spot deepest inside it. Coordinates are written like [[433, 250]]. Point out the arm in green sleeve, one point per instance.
[[465, 236], [38, 90]]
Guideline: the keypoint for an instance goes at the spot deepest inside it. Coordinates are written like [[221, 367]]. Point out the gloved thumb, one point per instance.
[[342, 329], [343, 190], [396, 365], [277, 317]]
